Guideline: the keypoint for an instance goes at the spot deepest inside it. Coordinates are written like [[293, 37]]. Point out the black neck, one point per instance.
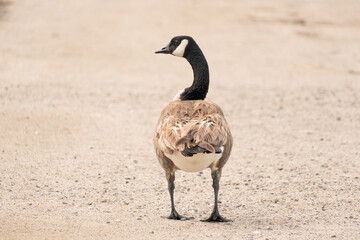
[[200, 86]]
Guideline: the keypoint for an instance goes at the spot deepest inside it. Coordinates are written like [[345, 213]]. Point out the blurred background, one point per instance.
[[81, 90]]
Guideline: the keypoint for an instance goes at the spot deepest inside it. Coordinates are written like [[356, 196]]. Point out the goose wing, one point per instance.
[[191, 124]]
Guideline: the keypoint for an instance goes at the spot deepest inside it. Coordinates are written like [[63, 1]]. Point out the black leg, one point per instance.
[[215, 215], [171, 186]]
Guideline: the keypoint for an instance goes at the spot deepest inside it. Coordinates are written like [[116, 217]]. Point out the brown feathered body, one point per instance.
[[197, 125]]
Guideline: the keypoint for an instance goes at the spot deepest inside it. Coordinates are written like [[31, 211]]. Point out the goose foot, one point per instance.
[[216, 217], [176, 216]]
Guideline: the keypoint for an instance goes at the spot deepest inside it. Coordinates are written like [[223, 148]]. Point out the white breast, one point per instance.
[[177, 96], [195, 163]]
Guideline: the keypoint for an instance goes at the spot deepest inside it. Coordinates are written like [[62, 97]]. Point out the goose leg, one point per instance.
[[171, 186], [215, 215]]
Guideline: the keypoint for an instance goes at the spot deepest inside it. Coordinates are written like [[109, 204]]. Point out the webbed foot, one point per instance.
[[176, 216], [216, 217]]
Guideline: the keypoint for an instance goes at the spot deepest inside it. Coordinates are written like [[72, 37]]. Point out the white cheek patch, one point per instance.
[[179, 51]]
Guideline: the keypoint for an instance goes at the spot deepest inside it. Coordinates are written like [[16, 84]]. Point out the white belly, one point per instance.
[[195, 163]]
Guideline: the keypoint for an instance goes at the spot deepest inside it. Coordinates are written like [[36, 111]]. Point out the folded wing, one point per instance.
[[190, 127]]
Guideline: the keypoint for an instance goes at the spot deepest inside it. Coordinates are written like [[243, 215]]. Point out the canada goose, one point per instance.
[[192, 134]]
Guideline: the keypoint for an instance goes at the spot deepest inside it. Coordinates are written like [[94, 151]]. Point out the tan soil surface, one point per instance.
[[81, 90]]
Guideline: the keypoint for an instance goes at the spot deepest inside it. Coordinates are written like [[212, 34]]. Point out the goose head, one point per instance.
[[178, 46], [186, 47]]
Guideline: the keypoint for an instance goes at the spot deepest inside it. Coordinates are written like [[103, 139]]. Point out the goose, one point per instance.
[[192, 134]]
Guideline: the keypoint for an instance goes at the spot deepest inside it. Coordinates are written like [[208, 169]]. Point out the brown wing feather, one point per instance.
[[191, 123]]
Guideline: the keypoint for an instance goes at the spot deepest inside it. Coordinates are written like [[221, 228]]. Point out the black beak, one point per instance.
[[165, 50]]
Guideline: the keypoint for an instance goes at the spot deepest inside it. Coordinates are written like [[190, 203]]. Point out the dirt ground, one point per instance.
[[81, 90]]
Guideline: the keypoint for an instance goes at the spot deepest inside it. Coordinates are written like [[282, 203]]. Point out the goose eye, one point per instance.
[[176, 42]]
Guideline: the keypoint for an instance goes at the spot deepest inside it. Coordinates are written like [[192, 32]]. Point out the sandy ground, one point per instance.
[[81, 90]]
